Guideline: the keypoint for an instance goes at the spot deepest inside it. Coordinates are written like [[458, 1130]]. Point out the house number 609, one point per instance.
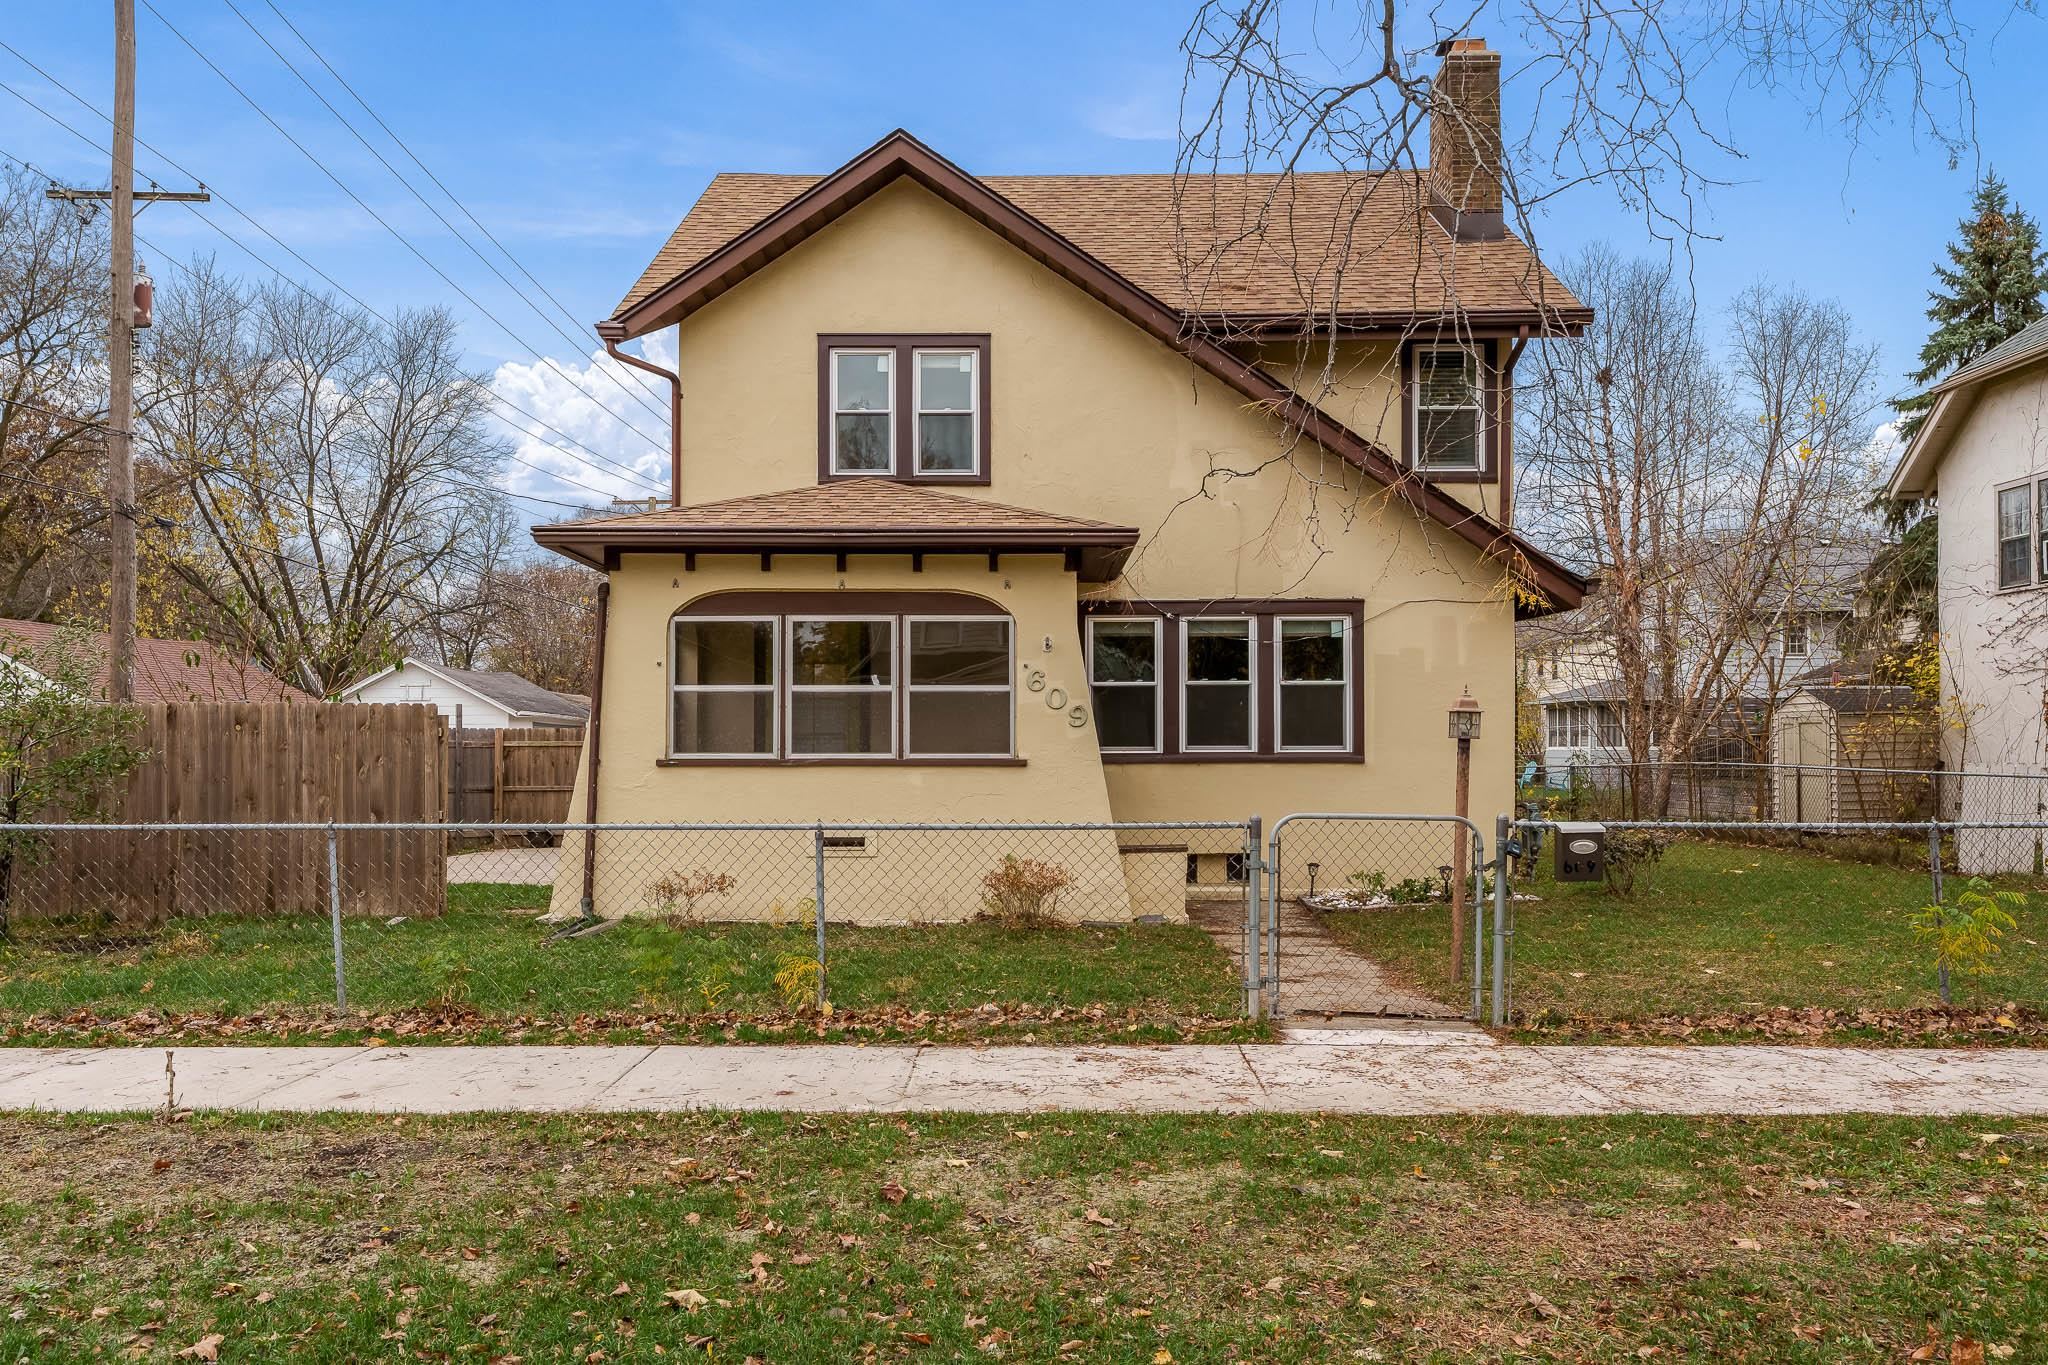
[[1055, 698]]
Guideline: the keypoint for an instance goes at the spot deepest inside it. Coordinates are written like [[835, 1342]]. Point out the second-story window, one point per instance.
[[1449, 422], [2016, 535], [911, 408]]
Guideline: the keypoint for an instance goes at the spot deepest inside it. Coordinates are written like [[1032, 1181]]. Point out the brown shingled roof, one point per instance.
[[873, 516], [1362, 245], [165, 670]]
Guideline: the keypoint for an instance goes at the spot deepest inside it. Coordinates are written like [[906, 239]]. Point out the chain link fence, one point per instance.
[[621, 925], [1781, 792], [1788, 928]]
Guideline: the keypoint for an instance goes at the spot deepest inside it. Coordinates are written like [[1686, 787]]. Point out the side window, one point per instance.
[[1123, 677], [1448, 420], [959, 683], [2015, 536], [842, 687], [722, 687]]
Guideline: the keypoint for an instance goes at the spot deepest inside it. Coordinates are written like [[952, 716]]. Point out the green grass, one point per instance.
[[1718, 928], [1111, 1238], [487, 955]]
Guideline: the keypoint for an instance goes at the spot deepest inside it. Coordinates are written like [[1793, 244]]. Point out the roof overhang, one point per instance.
[[1098, 556]]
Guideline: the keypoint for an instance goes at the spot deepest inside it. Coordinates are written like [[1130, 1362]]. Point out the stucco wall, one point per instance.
[[1994, 646], [1091, 418]]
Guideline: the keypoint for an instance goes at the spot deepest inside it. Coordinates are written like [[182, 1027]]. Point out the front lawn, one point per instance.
[[486, 961], [1101, 1238], [1717, 929]]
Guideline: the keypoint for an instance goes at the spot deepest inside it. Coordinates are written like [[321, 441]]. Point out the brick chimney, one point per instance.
[[1465, 143]]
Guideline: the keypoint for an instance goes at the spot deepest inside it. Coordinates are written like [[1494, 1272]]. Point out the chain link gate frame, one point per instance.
[[1263, 924]]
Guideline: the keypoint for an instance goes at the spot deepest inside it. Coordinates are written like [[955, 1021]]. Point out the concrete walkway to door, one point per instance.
[[1320, 979], [1418, 1072]]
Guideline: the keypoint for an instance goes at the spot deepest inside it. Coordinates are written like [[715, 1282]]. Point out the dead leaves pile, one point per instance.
[[1929, 1025], [463, 1024]]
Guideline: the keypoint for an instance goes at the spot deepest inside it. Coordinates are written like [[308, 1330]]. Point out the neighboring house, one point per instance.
[[989, 514], [1566, 662], [487, 700], [165, 670], [1982, 455]]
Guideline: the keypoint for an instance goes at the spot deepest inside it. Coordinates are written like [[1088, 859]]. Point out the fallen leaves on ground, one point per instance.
[[1932, 1024]]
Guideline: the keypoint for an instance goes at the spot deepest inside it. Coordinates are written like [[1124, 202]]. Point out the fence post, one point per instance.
[[818, 895], [1269, 960], [1934, 872], [1500, 873], [334, 920], [1254, 902], [1500, 922]]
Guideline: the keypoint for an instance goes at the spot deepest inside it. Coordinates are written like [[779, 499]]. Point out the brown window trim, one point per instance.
[[1170, 612], [904, 345], [1492, 407], [897, 607]]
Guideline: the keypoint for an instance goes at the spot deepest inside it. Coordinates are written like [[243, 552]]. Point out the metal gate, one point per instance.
[[1361, 916]]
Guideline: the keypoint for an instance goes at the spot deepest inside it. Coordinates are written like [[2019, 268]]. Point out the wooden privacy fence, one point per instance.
[[512, 777], [257, 763]]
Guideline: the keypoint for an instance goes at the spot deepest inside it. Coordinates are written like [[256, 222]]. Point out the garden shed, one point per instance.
[[1854, 753]]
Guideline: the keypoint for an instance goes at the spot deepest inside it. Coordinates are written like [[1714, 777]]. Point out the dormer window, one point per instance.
[[911, 408]]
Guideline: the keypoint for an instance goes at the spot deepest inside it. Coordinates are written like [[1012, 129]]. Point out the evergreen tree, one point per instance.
[[1989, 290]]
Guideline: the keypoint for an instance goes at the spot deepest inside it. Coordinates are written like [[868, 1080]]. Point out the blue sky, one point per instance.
[[578, 135]]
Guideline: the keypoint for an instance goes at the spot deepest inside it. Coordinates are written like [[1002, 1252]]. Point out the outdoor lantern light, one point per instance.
[[1313, 868], [1465, 717]]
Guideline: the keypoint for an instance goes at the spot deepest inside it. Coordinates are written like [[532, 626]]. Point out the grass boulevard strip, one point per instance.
[[1043, 1237]]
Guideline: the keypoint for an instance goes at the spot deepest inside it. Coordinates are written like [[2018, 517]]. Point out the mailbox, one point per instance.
[[1581, 852]]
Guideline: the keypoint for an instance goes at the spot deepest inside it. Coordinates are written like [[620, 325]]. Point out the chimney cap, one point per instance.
[[1460, 46]]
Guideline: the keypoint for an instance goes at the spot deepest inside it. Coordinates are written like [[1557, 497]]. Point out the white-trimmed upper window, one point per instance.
[[1312, 699], [1216, 683], [863, 411], [1798, 637], [2016, 536], [1123, 677], [948, 401], [958, 703], [1449, 422], [722, 693]]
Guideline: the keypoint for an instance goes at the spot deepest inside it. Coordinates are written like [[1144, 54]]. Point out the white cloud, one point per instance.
[[579, 399], [1881, 452]]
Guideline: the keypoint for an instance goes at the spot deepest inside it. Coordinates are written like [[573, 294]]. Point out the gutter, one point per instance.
[[611, 333], [591, 736]]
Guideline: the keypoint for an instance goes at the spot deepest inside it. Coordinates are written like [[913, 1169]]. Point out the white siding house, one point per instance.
[[488, 700], [1983, 454]]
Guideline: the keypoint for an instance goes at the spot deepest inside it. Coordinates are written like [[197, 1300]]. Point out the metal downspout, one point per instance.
[[591, 738], [611, 334]]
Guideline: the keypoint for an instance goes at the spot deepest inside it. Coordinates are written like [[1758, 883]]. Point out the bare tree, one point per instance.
[[543, 616], [1699, 492], [337, 469], [53, 285]]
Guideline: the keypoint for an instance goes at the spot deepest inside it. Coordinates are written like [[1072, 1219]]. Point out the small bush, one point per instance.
[[1023, 892], [1631, 853], [798, 978], [677, 893], [1965, 935]]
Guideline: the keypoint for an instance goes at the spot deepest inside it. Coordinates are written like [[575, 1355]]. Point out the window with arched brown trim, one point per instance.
[[842, 676]]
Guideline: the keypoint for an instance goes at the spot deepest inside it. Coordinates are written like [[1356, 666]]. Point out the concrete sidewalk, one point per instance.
[[1423, 1076]]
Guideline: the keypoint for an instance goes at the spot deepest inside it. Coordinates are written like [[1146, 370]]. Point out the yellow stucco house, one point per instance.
[[1024, 498]]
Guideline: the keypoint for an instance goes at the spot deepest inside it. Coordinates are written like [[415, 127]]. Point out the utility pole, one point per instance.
[[129, 310]]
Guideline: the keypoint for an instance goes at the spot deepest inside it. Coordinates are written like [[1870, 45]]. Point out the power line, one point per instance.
[[595, 457], [400, 237], [635, 391], [428, 172]]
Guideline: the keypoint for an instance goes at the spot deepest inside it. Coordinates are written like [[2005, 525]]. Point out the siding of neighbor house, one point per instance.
[[420, 687], [1091, 418], [1996, 670]]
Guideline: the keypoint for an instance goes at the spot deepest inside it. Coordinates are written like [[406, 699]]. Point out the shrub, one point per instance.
[[1023, 891], [677, 893], [1965, 935], [1631, 853], [800, 980]]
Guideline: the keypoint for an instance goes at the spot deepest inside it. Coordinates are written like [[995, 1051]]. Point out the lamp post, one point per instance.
[[1464, 728]]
